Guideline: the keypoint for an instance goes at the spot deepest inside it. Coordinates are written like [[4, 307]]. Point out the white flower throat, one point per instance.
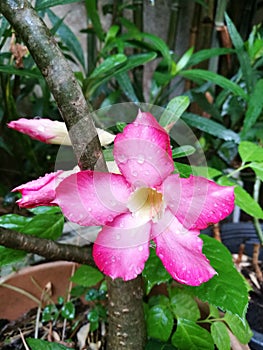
[[147, 203]]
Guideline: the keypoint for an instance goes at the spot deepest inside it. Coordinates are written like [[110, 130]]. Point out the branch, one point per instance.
[[60, 79], [48, 249]]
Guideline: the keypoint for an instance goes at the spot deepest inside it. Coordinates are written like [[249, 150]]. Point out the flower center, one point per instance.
[[146, 203]]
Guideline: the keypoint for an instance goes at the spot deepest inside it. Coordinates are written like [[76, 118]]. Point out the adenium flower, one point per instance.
[[145, 203], [52, 131]]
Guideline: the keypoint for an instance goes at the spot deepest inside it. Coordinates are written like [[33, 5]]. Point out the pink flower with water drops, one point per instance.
[[146, 202]]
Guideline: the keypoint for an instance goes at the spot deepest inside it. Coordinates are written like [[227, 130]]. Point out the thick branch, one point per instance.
[[48, 249], [60, 79]]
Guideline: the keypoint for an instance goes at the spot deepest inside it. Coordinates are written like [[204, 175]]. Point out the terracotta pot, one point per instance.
[[33, 280]]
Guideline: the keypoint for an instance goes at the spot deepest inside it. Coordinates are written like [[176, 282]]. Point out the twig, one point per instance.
[[51, 250]]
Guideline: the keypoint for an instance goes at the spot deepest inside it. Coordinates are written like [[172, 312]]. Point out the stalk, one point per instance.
[[76, 113], [173, 23]]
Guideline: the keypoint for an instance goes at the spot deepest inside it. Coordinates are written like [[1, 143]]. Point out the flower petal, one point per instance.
[[121, 249], [41, 191], [196, 201], [142, 152], [181, 251], [93, 198]]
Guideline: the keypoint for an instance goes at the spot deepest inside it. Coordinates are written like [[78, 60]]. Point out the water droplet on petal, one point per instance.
[[140, 248], [134, 173], [140, 159], [122, 158], [118, 237], [161, 256], [89, 209], [113, 258], [110, 218]]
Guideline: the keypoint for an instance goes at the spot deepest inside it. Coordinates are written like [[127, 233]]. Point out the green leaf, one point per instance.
[[37, 344], [189, 335], [186, 170], [125, 84], [87, 276], [14, 221], [44, 4], [206, 54], [183, 305], [30, 73], [91, 6], [159, 300], [10, 256], [250, 152], [68, 311], [174, 110], [45, 226], [228, 289], [242, 55], [239, 328], [159, 322], [258, 169], [45, 210], [254, 110], [210, 127], [108, 65], [157, 345], [181, 64], [154, 271], [243, 199], [220, 335], [183, 151], [205, 75], [68, 37]]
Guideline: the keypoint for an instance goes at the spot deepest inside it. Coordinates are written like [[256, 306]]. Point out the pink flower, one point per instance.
[[41, 191], [50, 131], [146, 202]]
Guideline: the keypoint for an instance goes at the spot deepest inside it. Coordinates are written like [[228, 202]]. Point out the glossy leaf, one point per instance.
[[183, 305], [45, 210], [258, 169], [183, 151], [228, 289], [109, 64], [157, 345], [124, 81], [254, 110], [239, 328], [38, 344], [210, 127], [44, 4], [68, 37], [220, 335], [68, 311], [243, 199], [203, 55], [189, 335], [174, 110], [205, 75], [159, 299], [21, 72], [45, 226], [154, 272], [186, 170], [10, 256], [159, 322], [181, 64], [250, 152], [87, 276], [14, 221], [92, 12]]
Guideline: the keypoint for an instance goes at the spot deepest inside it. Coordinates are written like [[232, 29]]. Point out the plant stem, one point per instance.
[[86, 145], [256, 220]]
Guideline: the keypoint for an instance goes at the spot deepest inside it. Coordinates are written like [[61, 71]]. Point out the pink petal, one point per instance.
[[93, 198], [181, 251], [196, 201], [39, 192], [121, 249], [42, 129], [142, 152]]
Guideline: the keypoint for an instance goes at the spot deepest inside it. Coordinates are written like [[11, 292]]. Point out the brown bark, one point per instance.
[[76, 114], [48, 249]]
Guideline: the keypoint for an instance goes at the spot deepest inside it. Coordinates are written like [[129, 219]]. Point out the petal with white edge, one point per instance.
[[180, 251], [93, 198], [196, 201], [121, 250], [142, 152]]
